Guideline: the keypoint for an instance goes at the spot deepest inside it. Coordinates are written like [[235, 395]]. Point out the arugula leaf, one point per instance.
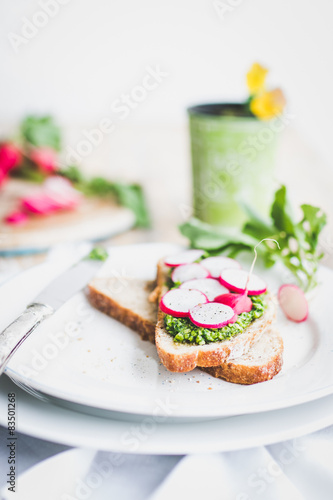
[[312, 223], [298, 240], [256, 226], [72, 173], [207, 237], [127, 195], [27, 173], [98, 253], [132, 196], [281, 212], [98, 186], [41, 131]]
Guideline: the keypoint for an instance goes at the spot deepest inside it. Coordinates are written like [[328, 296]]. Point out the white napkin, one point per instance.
[[293, 470]]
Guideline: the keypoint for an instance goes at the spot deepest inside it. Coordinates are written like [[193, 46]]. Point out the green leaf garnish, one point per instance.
[[298, 240], [41, 131], [127, 195], [98, 253]]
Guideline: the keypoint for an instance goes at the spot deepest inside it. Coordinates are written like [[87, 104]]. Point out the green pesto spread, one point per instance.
[[184, 331]]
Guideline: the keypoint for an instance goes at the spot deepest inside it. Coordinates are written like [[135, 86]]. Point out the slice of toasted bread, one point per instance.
[[126, 300], [130, 305], [261, 363], [178, 357]]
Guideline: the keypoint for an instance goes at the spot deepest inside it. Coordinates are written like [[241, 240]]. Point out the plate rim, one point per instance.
[[87, 431], [258, 408]]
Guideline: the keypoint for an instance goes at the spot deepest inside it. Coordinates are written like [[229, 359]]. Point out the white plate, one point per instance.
[[83, 357], [150, 435]]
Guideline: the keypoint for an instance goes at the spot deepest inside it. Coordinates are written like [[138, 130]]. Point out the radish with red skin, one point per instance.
[[212, 315], [188, 272], [185, 257], [56, 194], [215, 265], [293, 303], [178, 302], [17, 218], [45, 158], [240, 281], [209, 286], [10, 157], [62, 192], [39, 204], [239, 302]]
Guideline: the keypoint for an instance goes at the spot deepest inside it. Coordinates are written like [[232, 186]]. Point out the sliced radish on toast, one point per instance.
[[212, 315], [178, 302], [189, 272], [215, 265], [239, 302], [236, 280], [293, 303], [185, 257], [209, 286]]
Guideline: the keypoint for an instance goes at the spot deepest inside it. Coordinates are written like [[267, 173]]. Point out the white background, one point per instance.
[[90, 52]]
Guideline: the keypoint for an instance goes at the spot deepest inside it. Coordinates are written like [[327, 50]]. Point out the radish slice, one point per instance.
[[17, 218], [210, 287], [212, 315], [39, 204], [215, 265], [293, 303], [178, 302], [239, 302], [55, 194], [186, 257], [189, 272], [236, 281], [61, 192]]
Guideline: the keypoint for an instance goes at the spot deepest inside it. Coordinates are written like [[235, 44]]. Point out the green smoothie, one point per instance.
[[233, 156]]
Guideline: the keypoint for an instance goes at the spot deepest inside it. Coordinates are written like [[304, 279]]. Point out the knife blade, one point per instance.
[[53, 296]]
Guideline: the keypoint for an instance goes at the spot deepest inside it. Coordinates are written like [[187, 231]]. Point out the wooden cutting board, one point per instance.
[[93, 220]]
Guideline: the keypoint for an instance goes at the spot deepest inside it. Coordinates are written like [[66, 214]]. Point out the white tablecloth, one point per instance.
[[293, 470]]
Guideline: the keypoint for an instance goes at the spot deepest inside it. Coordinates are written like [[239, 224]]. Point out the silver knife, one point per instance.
[[45, 304]]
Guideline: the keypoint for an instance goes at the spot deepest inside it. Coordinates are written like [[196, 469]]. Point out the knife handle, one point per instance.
[[16, 333]]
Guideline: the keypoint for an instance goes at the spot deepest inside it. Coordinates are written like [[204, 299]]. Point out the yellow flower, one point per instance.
[[256, 78], [268, 104]]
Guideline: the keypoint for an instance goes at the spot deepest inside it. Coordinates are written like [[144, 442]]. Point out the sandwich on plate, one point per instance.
[[203, 312]]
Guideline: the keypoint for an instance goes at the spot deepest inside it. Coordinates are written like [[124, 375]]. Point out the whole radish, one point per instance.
[[45, 158], [10, 157], [293, 303]]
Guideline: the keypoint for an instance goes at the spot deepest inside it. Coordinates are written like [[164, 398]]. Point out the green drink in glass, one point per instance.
[[233, 158]]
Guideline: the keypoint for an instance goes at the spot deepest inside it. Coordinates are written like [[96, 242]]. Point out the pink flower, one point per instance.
[[45, 158]]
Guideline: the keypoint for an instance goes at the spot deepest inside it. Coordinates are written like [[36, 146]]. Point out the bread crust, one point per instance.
[[178, 357], [239, 373], [111, 307], [237, 370]]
